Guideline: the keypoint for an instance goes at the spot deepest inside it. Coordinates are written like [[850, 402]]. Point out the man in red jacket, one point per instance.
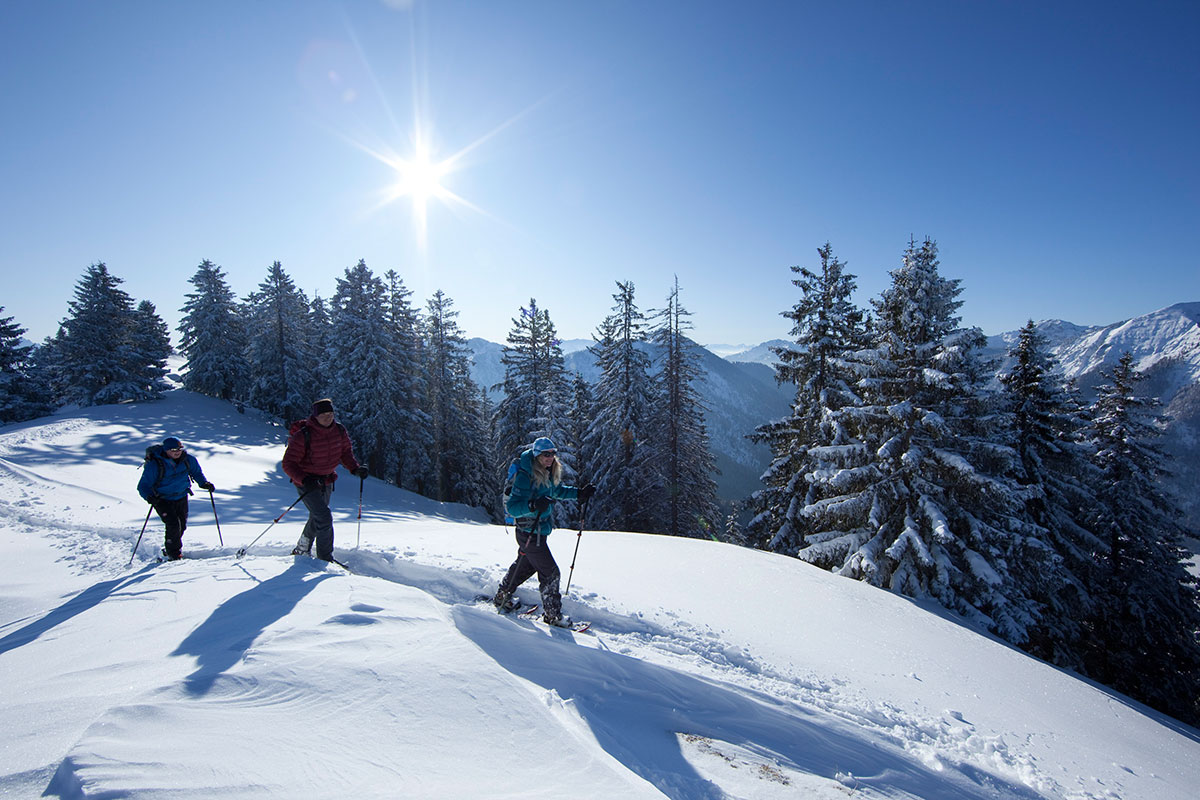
[[315, 447]]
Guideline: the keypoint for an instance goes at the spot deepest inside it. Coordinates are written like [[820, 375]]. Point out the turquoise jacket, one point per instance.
[[523, 492]]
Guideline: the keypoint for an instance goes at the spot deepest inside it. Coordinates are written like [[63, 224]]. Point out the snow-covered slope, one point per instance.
[[711, 671], [1170, 333]]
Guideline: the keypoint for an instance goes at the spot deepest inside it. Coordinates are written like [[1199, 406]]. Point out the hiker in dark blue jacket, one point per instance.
[[166, 483], [536, 486]]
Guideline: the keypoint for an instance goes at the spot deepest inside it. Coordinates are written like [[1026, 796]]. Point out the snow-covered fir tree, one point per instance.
[[213, 337], [151, 341], [678, 437], [461, 444], [363, 378], [95, 351], [319, 335], [1145, 635], [536, 398], [280, 353], [23, 395], [413, 437], [811, 446], [1059, 481], [619, 464], [924, 506]]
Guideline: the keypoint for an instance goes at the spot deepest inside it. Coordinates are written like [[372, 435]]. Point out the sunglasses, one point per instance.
[[551, 453]]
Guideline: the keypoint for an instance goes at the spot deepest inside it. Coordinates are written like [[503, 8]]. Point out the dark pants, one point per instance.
[[174, 515], [319, 527], [533, 555]]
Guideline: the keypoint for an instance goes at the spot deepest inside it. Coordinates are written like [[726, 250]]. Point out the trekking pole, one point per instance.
[[241, 552], [139, 541], [215, 519], [361, 481], [578, 538]]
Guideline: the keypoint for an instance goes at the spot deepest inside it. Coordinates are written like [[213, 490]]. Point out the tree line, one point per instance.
[[1038, 516], [400, 377], [909, 460]]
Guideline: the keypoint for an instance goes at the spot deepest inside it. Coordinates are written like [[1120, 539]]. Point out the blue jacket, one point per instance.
[[523, 491], [163, 476]]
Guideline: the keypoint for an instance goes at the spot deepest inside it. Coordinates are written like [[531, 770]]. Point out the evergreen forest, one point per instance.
[[909, 461]]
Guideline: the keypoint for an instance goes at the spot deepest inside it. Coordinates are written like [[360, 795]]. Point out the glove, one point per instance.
[[361, 472], [539, 504], [586, 493], [207, 486], [312, 482]]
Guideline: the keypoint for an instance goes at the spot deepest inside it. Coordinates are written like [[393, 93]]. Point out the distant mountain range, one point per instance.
[[741, 392], [1165, 345]]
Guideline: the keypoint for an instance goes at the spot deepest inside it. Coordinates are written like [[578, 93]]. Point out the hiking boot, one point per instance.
[[298, 552], [505, 602], [557, 620], [171, 556]]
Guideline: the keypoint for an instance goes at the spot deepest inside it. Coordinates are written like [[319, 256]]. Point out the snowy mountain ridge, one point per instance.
[[1171, 333], [271, 676]]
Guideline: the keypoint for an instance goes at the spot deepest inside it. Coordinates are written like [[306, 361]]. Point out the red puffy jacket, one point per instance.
[[313, 450]]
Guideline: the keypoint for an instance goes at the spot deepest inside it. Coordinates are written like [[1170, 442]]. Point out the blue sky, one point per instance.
[[1049, 148]]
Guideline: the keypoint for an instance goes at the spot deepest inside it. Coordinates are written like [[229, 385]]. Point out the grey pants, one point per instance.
[[319, 527]]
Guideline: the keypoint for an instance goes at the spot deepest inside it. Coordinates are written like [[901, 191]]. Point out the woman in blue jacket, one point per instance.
[[166, 483], [536, 487]]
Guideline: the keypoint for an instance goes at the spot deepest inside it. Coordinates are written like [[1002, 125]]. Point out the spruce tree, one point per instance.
[[536, 389], [94, 348], [922, 503], [1058, 482], [413, 436], [363, 379], [811, 446], [460, 445], [687, 505], [1145, 635], [151, 341], [617, 459], [23, 395], [213, 337], [280, 354], [320, 335]]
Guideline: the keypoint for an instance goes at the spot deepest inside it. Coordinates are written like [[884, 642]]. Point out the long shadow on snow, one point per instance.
[[223, 639], [635, 710], [88, 598]]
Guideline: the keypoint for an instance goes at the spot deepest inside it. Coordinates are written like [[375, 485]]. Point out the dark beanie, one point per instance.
[[322, 406], [171, 443]]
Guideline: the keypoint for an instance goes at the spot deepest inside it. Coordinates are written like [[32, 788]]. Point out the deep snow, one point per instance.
[[711, 671]]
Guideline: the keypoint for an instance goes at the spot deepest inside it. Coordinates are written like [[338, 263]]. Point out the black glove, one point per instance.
[[361, 472], [312, 482], [207, 486], [586, 492], [153, 499], [539, 504]]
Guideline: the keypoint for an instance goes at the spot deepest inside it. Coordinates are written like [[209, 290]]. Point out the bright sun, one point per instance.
[[420, 177]]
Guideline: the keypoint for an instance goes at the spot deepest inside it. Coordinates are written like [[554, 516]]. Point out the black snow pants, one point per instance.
[[533, 555], [174, 515]]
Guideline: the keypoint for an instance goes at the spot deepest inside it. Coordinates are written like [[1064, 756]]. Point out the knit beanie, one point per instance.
[[171, 443], [543, 445], [322, 407]]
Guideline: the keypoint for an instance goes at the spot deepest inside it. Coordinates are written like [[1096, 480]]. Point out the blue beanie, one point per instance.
[[171, 443], [543, 445]]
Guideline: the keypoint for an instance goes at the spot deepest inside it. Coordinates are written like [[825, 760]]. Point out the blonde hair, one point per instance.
[[544, 477]]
